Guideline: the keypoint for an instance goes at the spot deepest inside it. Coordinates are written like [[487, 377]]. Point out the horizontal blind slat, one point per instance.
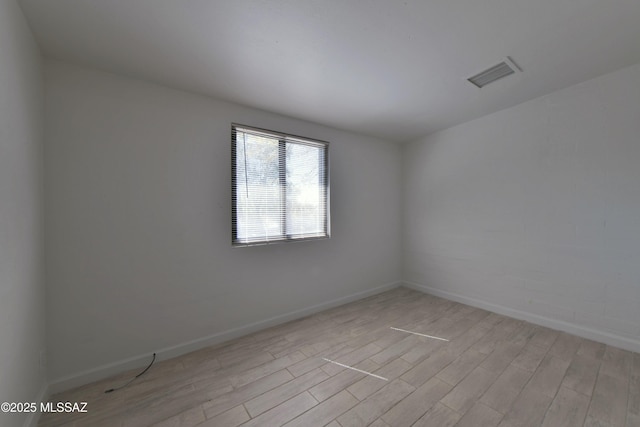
[[263, 211]]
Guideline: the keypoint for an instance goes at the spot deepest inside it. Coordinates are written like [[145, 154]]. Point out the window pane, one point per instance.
[[258, 195], [306, 202], [280, 187]]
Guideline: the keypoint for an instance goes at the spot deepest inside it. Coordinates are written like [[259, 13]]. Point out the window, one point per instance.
[[280, 187]]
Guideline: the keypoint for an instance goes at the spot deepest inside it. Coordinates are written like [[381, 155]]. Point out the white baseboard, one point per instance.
[[572, 328], [34, 417], [120, 366]]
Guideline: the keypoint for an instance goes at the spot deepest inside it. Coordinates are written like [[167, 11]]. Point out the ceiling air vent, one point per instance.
[[490, 75]]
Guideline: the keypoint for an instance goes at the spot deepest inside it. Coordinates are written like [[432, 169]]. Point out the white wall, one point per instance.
[[138, 215], [534, 211], [21, 228]]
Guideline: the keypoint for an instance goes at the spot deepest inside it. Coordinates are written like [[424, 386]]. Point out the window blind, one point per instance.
[[280, 187]]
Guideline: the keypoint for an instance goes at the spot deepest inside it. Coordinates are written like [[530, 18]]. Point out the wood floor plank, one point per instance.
[[592, 349], [493, 370], [504, 391], [265, 369], [581, 374], [609, 401], [284, 392], [616, 362], [568, 409], [499, 333], [428, 368], [231, 418], [633, 407], [422, 350], [365, 412], [549, 375], [369, 385], [503, 355], [440, 415], [326, 411], [460, 367], [284, 412], [544, 338], [530, 357], [188, 418], [565, 346], [463, 342], [242, 359], [528, 410], [168, 405], [464, 395], [633, 420], [351, 359], [521, 336], [396, 350], [480, 415], [342, 380], [414, 405], [306, 365], [249, 391], [491, 320]]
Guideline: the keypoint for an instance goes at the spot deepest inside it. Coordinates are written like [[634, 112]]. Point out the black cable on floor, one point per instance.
[[134, 378]]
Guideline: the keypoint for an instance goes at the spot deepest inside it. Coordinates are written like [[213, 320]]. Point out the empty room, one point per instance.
[[319, 213]]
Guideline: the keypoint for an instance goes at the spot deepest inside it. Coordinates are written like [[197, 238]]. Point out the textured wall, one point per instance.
[[138, 212], [22, 294], [536, 209]]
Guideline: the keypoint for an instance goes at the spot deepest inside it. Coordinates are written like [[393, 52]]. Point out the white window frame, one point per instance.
[[283, 139]]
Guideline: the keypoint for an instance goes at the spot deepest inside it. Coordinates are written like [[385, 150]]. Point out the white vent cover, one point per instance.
[[497, 72]]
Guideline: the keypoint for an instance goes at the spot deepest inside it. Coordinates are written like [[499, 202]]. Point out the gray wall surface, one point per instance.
[[22, 293], [138, 216], [535, 210]]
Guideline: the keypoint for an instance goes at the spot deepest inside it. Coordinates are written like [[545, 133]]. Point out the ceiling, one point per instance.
[[392, 69]]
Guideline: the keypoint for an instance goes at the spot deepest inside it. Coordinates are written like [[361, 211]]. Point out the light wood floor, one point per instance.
[[494, 371]]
